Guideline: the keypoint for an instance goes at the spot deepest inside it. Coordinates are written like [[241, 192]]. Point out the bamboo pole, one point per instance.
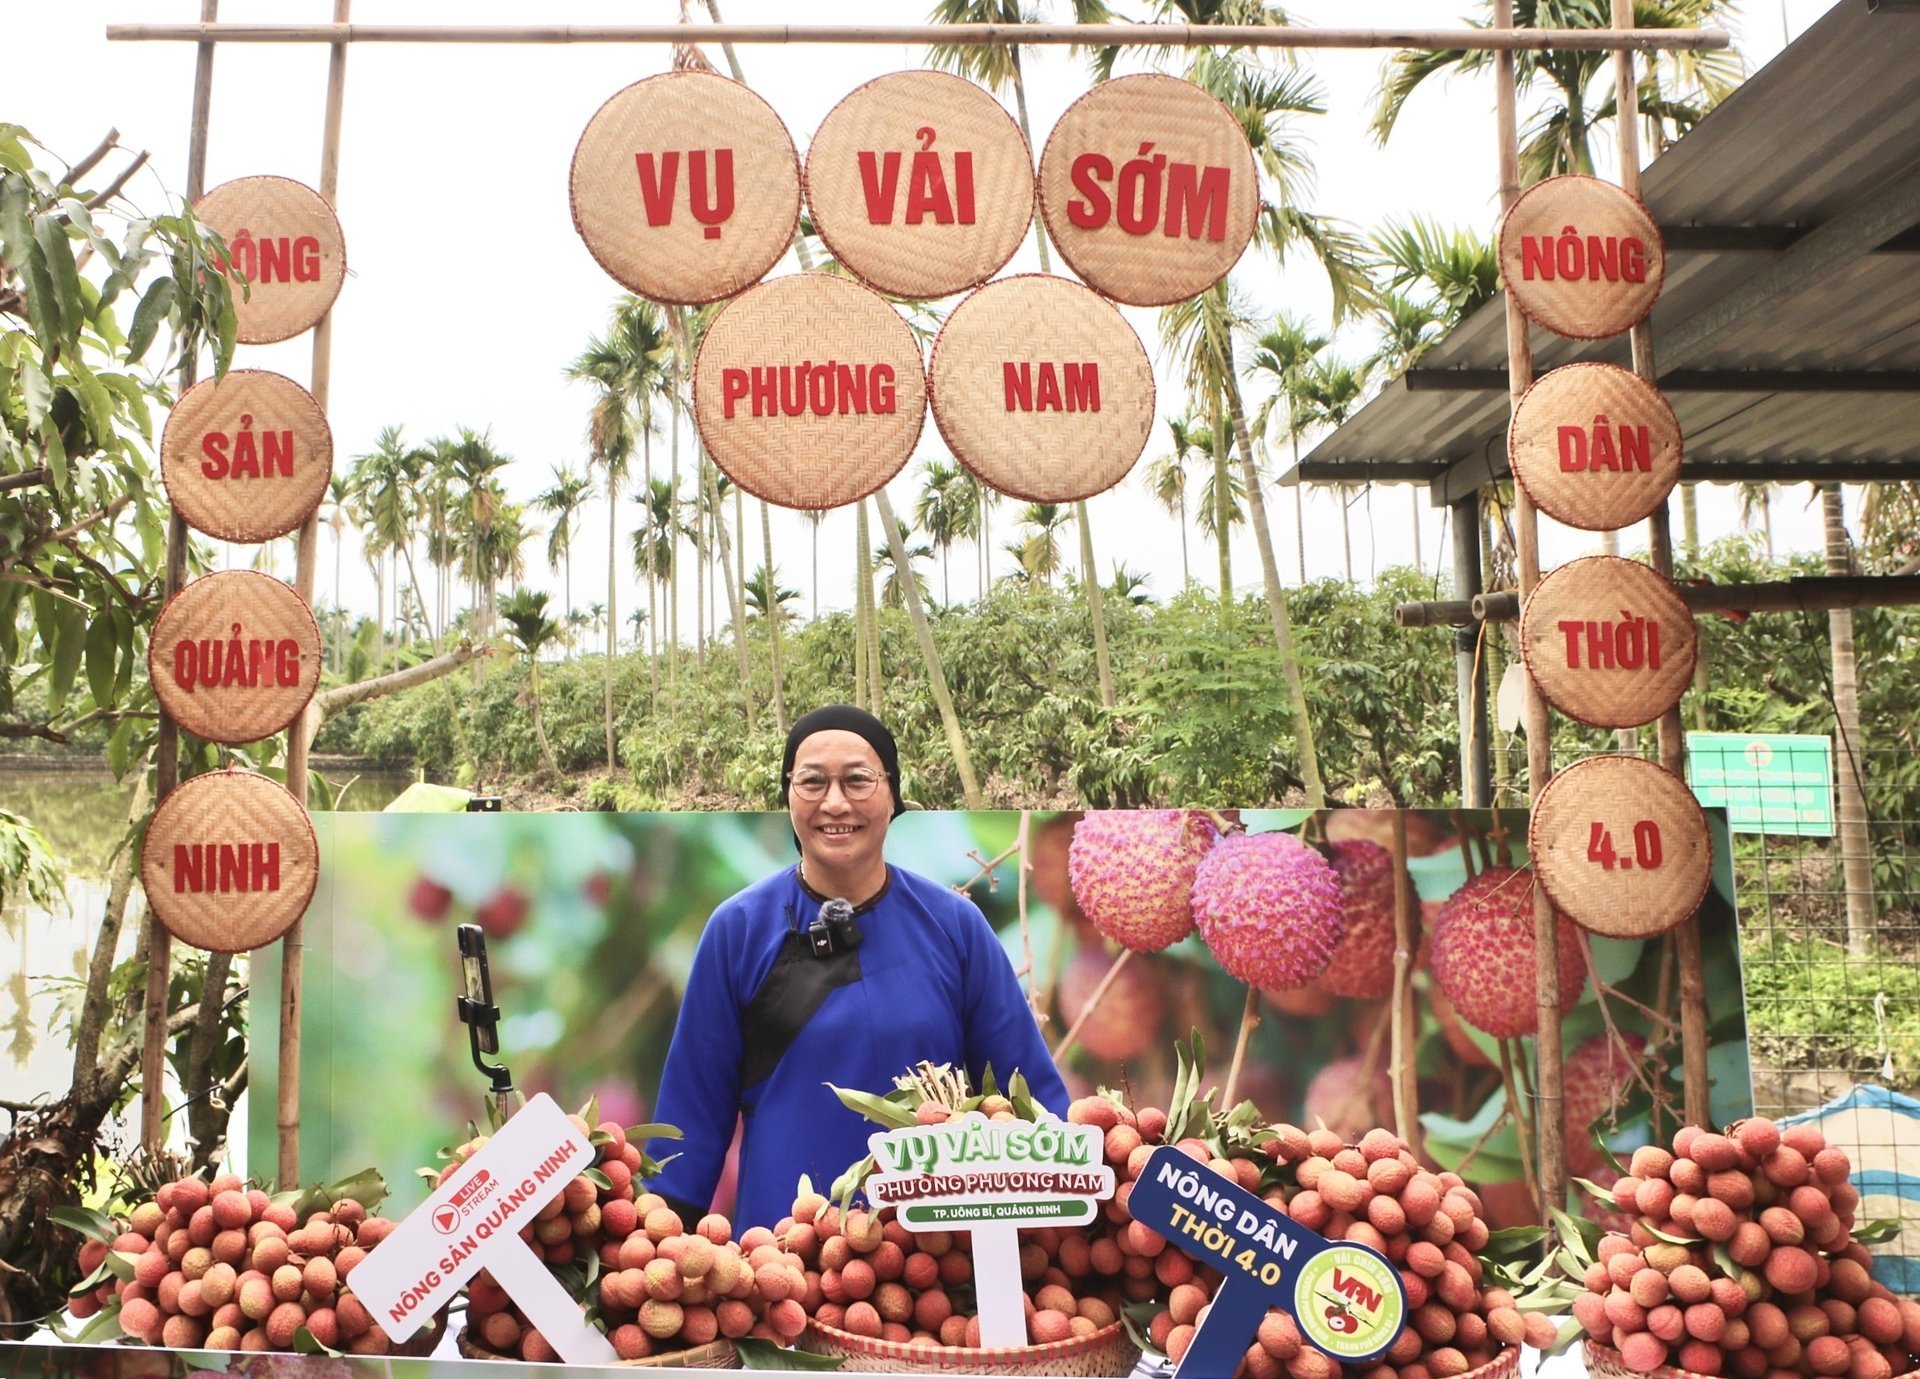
[[1404, 1074], [153, 1048], [293, 948], [967, 35], [1805, 594], [1673, 738], [1549, 1132]]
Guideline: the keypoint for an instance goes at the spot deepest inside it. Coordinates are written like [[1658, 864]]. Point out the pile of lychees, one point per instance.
[[1740, 1261], [222, 1266]]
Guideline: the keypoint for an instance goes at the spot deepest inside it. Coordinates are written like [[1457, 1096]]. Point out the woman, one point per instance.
[[784, 998]]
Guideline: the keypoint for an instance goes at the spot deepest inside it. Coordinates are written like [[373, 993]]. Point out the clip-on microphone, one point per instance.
[[834, 930]]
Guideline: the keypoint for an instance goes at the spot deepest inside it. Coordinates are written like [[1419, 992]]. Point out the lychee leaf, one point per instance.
[[600, 1139], [85, 1221], [1024, 1106], [102, 1328], [1658, 1234], [598, 1179], [640, 1134], [1602, 1195], [757, 1352], [590, 1113], [304, 1343], [427, 1173], [1727, 1266], [1877, 1232], [876, 1109], [120, 1263], [1138, 1319], [1570, 1331], [100, 1275]]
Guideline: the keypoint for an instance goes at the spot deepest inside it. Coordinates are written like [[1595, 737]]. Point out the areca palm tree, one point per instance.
[[946, 511], [1166, 480], [1040, 552], [1332, 389], [764, 590], [475, 463], [387, 480], [628, 368], [525, 613], [1282, 353], [339, 494], [1448, 272], [1675, 92], [655, 543], [893, 592], [563, 500]]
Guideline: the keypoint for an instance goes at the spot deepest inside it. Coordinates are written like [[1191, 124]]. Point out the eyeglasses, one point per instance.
[[812, 786]]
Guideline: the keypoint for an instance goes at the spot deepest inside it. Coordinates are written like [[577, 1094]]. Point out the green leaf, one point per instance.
[[102, 647], [1727, 1266], [84, 1221], [69, 644], [103, 1328], [640, 1134], [64, 277], [304, 1343], [1877, 1232], [876, 1109], [36, 389], [598, 1179], [1658, 1234], [120, 1264], [100, 1275], [119, 747], [757, 1352]]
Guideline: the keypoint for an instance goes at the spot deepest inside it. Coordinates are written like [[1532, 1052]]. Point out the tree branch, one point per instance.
[[88, 163], [26, 478], [330, 702], [93, 1009], [112, 189], [65, 534]]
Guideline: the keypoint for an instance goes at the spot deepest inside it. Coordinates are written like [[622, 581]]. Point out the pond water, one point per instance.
[[44, 952]]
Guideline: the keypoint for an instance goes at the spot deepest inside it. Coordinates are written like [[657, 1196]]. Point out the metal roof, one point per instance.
[[1788, 331]]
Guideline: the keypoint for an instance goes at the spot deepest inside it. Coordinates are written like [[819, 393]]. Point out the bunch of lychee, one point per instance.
[[1429, 1225], [660, 1289], [1740, 1261], [220, 1266], [1274, 911]]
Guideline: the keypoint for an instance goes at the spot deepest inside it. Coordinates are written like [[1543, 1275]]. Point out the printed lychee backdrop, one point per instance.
[[592, 921]]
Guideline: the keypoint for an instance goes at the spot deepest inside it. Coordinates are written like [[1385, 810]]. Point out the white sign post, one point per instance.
[[991, 1178], [473, 1222]]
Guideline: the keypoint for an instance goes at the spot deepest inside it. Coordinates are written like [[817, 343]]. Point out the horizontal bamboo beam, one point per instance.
[[966, 35], [1436, 380], [1811, 594]]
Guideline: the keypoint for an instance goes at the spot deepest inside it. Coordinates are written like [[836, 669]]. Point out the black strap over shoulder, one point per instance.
[[792, 993]]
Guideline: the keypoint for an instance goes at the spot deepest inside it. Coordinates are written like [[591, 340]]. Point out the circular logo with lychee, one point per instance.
[[1349, 1302]]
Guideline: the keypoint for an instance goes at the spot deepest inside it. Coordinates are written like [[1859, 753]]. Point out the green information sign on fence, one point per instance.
[[1767, 782]]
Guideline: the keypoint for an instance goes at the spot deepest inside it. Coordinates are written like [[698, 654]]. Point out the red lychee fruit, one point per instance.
[[501, 914], [1596, 1079], [1127, 1020], [1337, 1096], [1132, 872], [1483, 953], [1362, 962], [1268, 907], [429, 900]]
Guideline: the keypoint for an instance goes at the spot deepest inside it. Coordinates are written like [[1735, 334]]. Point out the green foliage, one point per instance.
[[1805, 998], [83, 524]]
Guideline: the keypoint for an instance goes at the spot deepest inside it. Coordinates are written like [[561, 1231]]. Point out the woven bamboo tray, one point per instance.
[[1108, 1351], [1604, 1362], [296, 259], [1576, 301], [713, 1355]]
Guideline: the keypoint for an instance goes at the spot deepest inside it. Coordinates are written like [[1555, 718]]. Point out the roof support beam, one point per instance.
[[1697, 380]]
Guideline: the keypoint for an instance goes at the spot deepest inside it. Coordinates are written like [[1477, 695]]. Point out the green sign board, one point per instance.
[[1767, 782]]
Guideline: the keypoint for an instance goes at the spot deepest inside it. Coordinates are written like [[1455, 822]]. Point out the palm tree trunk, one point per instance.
[[700, 561], [1222, 512], [1689, 523], [539, 722], [773, 620], [815, 519], [673, 537], [1186, 575], [1090, 579], [1418, 559], [380, 609], [1346, 532], [339, 613], [413, 583], [613, 586], [936, 678], [736, 598], [986, 543], [1276, 601], [1856, 845], [1299, 499], [860, 539]]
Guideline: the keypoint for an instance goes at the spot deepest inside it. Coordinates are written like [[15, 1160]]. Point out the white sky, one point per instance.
[[469, 290]]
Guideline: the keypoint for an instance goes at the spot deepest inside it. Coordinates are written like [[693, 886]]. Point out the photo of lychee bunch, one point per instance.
[[1741, 1261], [220, 1265]]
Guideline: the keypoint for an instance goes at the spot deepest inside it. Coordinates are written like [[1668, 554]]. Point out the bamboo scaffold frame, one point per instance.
[[962, 35]]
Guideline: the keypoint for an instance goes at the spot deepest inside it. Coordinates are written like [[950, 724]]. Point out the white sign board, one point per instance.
[[473, 1221], [992, 1178]]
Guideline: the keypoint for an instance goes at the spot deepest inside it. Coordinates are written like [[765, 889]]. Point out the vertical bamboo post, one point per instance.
[[1673, 741], [1406, 906], [153, 1048], [1546, 931], [299, 736]]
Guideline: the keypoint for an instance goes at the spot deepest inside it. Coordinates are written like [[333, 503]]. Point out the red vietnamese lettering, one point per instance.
[[277, 452], [1083, 387], [306, 259], [213, 446], [274, 255], [1018, 380], [187, 874], [713, 206], [1089, 170], [1573, 449], [656, 188], [1195, 194], [879, 176]]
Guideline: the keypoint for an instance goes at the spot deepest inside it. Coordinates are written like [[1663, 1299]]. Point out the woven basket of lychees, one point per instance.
[[1742, 1262]]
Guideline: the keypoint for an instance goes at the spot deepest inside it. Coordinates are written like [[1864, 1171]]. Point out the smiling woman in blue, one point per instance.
[[788, 994]]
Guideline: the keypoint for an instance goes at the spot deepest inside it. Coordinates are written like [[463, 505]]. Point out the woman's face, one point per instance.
[[837, 833]]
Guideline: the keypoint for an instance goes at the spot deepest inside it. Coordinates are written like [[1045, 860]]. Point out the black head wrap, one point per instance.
[[848, 719]]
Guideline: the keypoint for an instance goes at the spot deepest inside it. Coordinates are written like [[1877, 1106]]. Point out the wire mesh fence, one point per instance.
[[1829, 899]]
